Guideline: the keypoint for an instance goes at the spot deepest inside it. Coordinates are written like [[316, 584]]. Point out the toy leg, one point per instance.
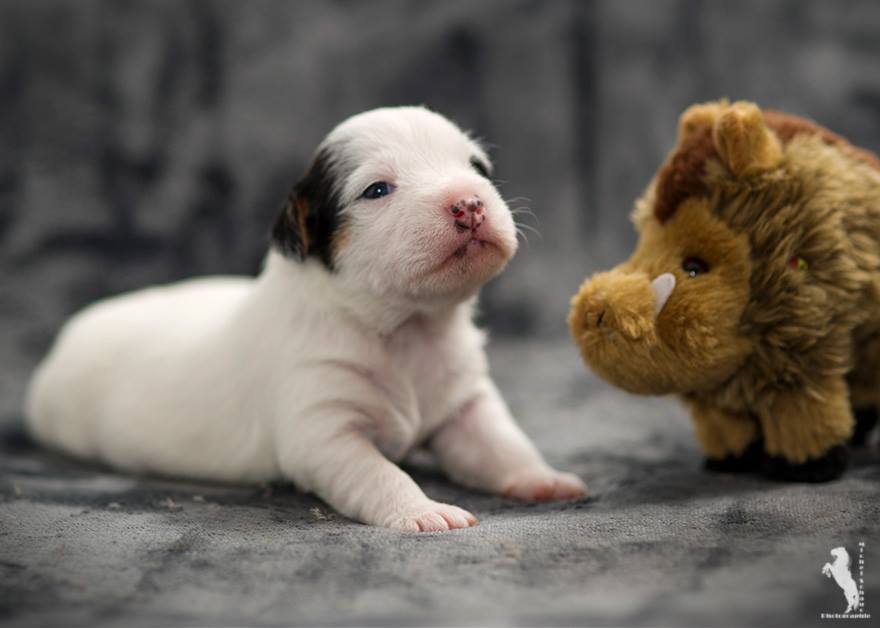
[[866, 419], [864, 384], [731, 441], [805, 434], [485, 449]]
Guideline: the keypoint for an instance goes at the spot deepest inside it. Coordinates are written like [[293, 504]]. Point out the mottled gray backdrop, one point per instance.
[[147, 141], [142, 142]]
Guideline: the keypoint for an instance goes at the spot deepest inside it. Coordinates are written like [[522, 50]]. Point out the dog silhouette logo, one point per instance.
[[839, 569]]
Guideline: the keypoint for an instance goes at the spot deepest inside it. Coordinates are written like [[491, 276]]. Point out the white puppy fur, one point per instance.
[[352, 347]]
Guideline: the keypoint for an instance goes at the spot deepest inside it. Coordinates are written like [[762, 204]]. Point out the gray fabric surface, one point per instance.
[[659, 542]]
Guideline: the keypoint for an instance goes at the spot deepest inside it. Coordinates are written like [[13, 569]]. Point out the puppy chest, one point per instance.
[[440, 370]]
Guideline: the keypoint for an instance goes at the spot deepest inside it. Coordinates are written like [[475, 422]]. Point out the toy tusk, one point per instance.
[[662, 287]]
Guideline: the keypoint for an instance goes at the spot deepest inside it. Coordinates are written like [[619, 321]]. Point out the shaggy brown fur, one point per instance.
[[781, 333]]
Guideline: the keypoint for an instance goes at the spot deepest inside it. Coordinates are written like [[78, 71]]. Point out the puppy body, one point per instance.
[[354, 345]]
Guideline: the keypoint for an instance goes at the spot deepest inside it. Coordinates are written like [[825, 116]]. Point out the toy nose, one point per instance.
[[472, 206]]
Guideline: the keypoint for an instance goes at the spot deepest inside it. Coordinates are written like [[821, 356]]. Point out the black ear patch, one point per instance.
[[310, 221]]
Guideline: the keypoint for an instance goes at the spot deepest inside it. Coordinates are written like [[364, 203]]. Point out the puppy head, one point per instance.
[[399, 201]]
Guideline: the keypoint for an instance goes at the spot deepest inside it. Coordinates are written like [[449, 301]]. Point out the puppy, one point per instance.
[[353, 346]]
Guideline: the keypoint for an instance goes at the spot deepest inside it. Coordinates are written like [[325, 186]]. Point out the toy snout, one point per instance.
[[613, 320], [622, 302]]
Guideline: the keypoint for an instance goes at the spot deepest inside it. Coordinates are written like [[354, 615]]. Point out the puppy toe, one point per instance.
[[432, 522], [458, 518], [568, 486], [545, 486], [435, 517]]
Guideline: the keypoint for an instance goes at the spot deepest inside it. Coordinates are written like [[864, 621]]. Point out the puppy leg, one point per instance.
[[485, 449], [805, 434], [351, 475]]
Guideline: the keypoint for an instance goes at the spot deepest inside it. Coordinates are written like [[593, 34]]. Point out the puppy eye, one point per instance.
[[378, 190], [694, 266], [481, 168]]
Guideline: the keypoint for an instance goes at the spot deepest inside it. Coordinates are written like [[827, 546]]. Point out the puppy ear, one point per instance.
[[743, 141], [290, 232], [310, 220]]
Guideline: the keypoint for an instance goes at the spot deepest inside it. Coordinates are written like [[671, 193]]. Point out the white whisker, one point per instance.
[[522, 228]]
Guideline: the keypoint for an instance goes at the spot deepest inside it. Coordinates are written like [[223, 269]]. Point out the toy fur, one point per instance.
[[753, 293], [354, 346]]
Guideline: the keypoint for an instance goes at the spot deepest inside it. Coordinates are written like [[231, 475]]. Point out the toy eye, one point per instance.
[[694, 266], [798, 263], [480, 167], [377, 190]]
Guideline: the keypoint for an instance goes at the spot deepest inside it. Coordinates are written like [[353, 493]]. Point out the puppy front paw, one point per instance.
[[432, 517], [544, 485]]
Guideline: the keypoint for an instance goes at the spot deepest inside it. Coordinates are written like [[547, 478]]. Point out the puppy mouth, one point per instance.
[[473, 244], [467, 256], [473, 251]]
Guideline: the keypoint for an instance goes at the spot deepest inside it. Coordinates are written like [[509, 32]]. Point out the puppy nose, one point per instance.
[[461, 208]]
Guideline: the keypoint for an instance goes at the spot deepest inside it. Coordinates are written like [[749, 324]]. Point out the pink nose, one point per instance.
[[468, 213], [465, 206]]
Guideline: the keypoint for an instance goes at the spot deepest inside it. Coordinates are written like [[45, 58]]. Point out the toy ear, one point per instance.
[[697, 119], [743, 141]]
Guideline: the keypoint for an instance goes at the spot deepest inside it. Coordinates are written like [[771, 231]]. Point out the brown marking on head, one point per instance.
[[682, 175], [739, 135], [787, 126], [297, 213], [339, 240]]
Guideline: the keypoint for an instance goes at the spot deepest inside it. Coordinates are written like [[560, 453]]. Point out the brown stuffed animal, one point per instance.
[[753, 293]]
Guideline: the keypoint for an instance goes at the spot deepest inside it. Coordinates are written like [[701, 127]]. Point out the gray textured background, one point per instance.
[[142, 142]]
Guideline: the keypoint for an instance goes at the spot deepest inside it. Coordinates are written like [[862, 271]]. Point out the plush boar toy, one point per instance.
[[753, 293]]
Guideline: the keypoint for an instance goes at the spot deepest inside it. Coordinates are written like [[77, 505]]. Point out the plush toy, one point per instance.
[[753, 292]]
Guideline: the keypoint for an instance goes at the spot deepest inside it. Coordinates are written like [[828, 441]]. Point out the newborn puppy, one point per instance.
[[353, 346]]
